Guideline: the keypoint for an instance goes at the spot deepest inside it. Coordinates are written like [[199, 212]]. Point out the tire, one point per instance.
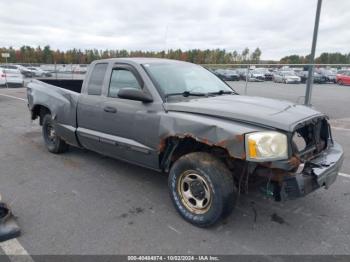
[[216, 196], [340, 82], [53, 143]]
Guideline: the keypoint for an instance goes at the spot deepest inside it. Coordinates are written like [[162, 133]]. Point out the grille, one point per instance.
[[311, 138]]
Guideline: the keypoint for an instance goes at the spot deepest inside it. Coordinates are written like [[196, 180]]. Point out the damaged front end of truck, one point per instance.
[[312, 159]]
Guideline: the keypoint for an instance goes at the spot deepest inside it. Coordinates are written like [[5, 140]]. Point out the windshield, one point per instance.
[[183, 77]]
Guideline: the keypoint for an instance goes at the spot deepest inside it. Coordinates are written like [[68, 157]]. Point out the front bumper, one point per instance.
[[318, 172]]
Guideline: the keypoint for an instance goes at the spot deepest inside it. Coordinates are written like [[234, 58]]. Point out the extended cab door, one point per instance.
[[89, 108]]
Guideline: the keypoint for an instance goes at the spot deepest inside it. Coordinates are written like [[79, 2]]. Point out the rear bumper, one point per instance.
[[319, 172]]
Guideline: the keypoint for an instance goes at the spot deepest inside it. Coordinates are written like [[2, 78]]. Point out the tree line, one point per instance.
[[324, 58], [28, 54], [45, 55]]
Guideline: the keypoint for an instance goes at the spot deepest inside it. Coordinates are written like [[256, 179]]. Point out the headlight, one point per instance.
[[266, 146]]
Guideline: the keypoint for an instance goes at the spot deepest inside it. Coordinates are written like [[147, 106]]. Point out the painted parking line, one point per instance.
[[340, 128], [344, 175], [14, 97], [15, 251]]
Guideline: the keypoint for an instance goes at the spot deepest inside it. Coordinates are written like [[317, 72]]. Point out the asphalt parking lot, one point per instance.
[[84, 203]]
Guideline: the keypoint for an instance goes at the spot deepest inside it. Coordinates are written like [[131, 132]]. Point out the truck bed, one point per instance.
[[74, 85], [60, 97]]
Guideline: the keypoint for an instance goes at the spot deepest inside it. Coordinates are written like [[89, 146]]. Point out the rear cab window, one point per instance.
[[94, 86]]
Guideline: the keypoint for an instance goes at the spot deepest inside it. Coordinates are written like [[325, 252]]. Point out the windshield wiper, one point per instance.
[[222, 92], [185, 94]]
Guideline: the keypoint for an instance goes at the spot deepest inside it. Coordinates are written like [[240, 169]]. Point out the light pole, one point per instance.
[[5, 55], [310, 78]]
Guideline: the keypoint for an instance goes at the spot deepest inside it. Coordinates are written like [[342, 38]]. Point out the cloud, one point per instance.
[[278, 27]]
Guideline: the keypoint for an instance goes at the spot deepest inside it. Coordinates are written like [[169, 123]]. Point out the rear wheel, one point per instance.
[[202, 189], [53, 142], [340, 82]]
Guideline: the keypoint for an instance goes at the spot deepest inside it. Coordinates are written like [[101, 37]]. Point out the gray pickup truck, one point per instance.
[[179, 118]]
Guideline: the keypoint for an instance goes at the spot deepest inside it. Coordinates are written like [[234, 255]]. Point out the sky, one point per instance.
[[277, 27]]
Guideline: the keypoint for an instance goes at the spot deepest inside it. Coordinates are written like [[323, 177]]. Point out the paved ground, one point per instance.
[[83, 203]]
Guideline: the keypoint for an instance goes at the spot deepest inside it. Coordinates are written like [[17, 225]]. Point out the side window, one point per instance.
[[122, 78], [96, 79]]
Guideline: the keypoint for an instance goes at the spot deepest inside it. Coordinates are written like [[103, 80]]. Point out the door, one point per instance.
[[129, 127]]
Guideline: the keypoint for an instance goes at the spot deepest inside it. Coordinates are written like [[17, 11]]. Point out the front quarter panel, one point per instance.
[[206, 129]]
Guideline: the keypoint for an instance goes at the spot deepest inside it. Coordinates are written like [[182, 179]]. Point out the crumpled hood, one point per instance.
[[254, 110]]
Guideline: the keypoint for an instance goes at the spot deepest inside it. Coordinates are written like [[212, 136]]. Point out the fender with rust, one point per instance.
[[223, 121]]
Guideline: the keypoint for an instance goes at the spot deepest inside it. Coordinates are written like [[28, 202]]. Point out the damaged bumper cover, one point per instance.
[[318, 172]]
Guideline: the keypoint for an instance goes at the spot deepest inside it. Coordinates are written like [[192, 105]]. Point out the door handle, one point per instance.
[[110, 109]]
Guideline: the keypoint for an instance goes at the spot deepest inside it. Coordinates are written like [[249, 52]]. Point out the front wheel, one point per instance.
[[202, 188], [53, 142]]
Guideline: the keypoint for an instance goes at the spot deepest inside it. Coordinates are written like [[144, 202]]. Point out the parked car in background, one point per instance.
[[328, 74], [80, 69], [267, 74], [344, 78], [241, 72], [21, 68], [318, 78], [286, 77], [38, 72], [342, 71], [227, 74], [12, 77], [252, 75]]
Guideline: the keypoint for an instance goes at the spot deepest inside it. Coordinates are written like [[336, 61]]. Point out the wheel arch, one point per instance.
[[174, 147], [40, 111]]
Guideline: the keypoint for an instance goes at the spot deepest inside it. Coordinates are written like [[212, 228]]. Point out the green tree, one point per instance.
[[293, 59], [245, 54], [255, 57], [47, 56]]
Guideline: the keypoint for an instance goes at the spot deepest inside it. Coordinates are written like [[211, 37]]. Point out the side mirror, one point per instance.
[[134, 94]]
